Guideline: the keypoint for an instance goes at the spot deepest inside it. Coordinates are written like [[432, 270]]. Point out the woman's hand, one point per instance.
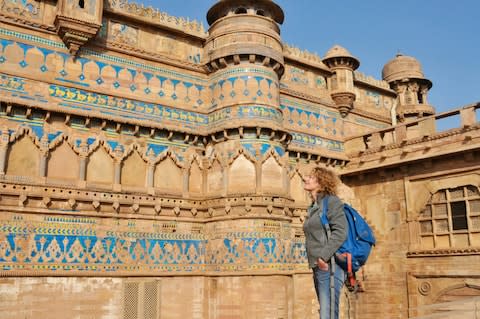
[[322, 265]]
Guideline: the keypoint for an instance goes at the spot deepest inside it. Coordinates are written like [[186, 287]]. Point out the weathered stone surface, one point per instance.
[[152, 169]]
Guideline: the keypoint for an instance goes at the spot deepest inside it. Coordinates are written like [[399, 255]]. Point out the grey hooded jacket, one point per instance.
[[316, 242]]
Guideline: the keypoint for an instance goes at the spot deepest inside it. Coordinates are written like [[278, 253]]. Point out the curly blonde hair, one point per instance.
[[327, 180]]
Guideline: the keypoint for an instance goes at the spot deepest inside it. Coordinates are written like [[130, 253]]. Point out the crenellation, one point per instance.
[[152, 15], [367, 79], [303, 55]]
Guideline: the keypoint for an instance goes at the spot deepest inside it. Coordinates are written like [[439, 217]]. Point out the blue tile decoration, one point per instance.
[[323, 119], [11, 83], [312, 142], [45, 244], [264, 147], [374, 97], [107, 61]]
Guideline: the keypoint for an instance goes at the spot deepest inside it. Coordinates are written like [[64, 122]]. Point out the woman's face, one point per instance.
[[310, 183]]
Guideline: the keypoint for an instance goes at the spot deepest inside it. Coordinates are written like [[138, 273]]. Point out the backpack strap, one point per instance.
[[351, 280], [325, 223]]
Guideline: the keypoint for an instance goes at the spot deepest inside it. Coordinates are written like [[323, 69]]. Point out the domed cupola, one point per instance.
[[245, 31], [405, 75], [342, 63]]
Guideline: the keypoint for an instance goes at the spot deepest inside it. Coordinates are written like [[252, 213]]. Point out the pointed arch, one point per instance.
[[134, 169], [100, 168], [296, 187], [462, 291], [242, 174], [23, 157], [63, 162], [273, 173], [215, 176], [195, 175], [168, 174]]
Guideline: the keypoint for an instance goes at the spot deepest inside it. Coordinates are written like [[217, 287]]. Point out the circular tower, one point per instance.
[[245, 56], [342, 63], [245, 61], [405, 76]]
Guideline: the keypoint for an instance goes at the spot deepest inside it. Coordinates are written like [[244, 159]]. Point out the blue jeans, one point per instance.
[[321, 279]]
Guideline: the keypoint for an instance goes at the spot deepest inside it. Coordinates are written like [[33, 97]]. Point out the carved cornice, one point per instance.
[[444, 252], [151, 56], [49, 198], [27, 23], [307, 97]]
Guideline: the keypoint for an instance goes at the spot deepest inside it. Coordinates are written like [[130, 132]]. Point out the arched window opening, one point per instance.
[[451, 218], [240, 11], [420, 98], [81, 4], [261, 13]]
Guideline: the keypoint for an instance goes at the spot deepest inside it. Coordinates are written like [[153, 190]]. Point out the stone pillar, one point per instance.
[[117, 174], [44, 152], [4, 142]]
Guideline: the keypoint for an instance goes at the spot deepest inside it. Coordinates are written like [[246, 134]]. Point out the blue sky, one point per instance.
[[443, 35]]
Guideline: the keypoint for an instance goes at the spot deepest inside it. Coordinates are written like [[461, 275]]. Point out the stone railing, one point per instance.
[[424, 129], [156, 16]]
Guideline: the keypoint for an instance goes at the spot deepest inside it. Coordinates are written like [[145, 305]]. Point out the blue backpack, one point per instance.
[[354, 252]]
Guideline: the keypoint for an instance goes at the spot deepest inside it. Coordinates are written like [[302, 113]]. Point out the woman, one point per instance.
[[321, 247]]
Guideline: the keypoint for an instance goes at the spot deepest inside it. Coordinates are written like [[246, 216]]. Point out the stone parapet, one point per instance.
[[156, 17], [413, 141]]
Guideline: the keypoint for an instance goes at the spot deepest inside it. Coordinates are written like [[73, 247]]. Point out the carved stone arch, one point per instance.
[[195, 175], [431, 205], [170, 153], [100, 165], [242, 173], [63, 161], [113, 151], [141, 150], [296, 187], [196, 159], [22, 131], [273, 173], [79, 147], [215, 156], [215, 176], [23, 157], [168, 175], [134, 167], [423, 191], [272, 153], [56, 141], [457, 292]]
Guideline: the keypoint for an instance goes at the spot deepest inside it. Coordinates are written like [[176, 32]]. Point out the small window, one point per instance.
[[459, 215], [451, 218], [240, 11], [261, 13], [81, 4]]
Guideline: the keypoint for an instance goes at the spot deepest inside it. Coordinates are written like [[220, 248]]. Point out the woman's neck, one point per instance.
[[315, 194]]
